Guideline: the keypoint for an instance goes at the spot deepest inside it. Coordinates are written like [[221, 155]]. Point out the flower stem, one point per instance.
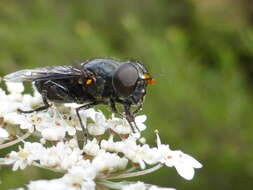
[[19, 139], [134, 174], [113, 185]]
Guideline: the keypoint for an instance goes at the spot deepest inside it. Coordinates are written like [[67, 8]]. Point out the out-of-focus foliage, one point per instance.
[[200, 52]]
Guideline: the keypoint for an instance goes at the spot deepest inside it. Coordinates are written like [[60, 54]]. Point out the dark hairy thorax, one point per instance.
[[104, 70]]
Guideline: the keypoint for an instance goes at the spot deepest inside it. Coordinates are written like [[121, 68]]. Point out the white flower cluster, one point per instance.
[[113, 153]]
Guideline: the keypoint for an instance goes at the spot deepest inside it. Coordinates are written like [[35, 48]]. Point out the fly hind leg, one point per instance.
[[53, 91]]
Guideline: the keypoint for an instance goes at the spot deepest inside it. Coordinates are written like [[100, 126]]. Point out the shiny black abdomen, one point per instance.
[[63, 90]]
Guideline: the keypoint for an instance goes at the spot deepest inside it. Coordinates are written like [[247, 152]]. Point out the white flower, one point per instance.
[[134, 152], [135, 186], [61, 157], [142, 140], [32, 101], [108, 145], [55, 184], [184, 164], [8, 107], [109, 162], [92, 147], [18, 119], [139, 120], [26, 156], [119, 126], [77, 178], [53, 133], [84, 114], [89, 113], [15, 87], [99, 126], [72, 143], [81, 177], [122, 127], [3, 134], [15, 97], [51, 125]]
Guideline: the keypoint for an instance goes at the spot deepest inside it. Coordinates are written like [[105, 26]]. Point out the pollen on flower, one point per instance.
[[23, 153]]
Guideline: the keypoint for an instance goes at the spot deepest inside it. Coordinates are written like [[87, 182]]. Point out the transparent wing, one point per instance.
[[50, 72]]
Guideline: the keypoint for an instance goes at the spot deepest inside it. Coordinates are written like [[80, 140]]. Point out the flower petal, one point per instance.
[[184, 170]]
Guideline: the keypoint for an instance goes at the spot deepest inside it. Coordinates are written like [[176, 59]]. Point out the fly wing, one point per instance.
[[50, 72]]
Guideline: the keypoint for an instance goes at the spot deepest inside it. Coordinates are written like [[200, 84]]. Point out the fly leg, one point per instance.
[[52, 91], [139, 108], [84, 107], [130, 118], [114, 109]]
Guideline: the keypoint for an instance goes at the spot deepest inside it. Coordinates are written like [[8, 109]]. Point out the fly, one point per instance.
[[96, 81]]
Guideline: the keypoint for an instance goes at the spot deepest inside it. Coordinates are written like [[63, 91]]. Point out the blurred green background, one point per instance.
[[199, 51]]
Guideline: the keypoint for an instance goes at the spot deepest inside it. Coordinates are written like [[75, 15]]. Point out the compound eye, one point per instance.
[[124, 79]]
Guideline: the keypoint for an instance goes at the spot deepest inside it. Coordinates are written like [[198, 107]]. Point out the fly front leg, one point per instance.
[[138, 109], [130, 118], [114, 109], [84, 107]]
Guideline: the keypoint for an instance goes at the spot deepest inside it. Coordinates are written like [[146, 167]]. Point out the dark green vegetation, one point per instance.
[[200, 52]]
